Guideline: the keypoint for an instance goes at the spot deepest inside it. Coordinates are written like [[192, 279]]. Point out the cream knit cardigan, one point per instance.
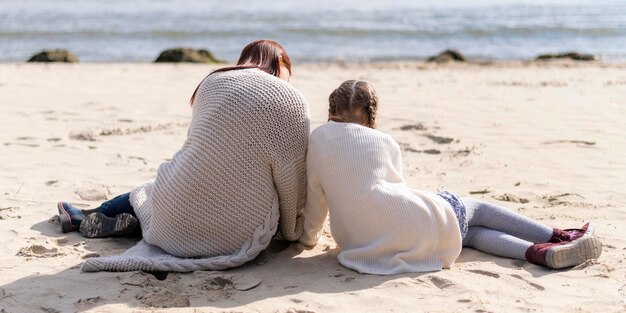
[[218, 202], [380, 224]]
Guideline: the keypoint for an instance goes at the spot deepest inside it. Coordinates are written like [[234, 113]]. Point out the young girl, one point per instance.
[[384, 227]]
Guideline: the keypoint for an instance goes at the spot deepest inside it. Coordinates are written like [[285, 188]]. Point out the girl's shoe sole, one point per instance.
[[98, 225], [574, 253]]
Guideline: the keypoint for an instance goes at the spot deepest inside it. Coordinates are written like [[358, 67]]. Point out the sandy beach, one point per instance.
[[545, 139]]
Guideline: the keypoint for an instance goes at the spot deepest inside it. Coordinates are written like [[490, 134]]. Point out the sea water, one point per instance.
[[314, 30]]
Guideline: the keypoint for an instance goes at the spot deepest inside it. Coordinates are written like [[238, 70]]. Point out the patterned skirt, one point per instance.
[[459, 209]]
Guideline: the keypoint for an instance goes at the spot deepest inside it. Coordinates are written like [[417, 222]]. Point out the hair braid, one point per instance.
[[353, 101]]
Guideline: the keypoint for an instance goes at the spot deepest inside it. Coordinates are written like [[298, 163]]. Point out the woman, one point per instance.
[[240, 171]]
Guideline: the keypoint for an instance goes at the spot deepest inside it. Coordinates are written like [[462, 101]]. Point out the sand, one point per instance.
[[547, 140]]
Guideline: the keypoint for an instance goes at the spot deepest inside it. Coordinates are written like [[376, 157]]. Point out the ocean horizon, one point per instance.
[[313, 31]]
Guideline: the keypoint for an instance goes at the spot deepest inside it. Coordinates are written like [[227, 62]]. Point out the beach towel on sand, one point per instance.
[[239, 177]]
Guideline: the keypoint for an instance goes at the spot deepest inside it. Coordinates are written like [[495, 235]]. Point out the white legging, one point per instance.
[[499, 231]]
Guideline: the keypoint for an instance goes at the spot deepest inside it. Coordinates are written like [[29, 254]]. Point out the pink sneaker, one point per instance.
[[566, 253], [571, 234]]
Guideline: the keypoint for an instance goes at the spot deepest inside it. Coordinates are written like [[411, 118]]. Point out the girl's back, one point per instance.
[[381, 225]]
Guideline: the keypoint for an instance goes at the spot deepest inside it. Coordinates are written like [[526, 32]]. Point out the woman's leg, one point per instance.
[[496, 242], [495, 217], [114, 217], [72, 217], [114, 207]]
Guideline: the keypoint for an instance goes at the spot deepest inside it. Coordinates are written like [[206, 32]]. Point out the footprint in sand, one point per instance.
[[440, 140], [441, 283], [84, 135], [511, 198], [86, 303], [39, 251], [486, 273], [564, 198], [45, 310], [61, 241], [9, 212], [236, 281], [536, 286], [418, 126], [552, 84], [25, 138], [155, 293], [31, 145], [344, 278], [94, 192], [245, 282], [165, 299], [408, 148]]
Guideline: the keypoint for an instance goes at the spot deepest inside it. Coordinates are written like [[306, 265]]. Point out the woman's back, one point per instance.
[[218, 192]]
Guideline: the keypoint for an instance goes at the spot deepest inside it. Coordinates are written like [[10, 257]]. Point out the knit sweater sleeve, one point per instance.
[[290, 140], [396, 155], [316, 208]]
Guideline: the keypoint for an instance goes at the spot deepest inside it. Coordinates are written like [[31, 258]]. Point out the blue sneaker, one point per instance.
[[70, 217]]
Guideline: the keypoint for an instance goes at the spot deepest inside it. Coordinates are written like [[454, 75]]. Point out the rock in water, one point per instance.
[[569, 55], [190, 55], [447, 56], [59, 55]]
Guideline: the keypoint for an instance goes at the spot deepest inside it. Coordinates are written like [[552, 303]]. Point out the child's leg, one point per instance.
[[499, 231], [495, 217], [496, 242], [552, 255]]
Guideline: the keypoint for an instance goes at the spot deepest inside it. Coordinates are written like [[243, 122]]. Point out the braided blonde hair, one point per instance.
[[353, 101]]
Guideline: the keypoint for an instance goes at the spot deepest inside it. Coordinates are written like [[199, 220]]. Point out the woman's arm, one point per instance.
[[289, 135], [290, 183]]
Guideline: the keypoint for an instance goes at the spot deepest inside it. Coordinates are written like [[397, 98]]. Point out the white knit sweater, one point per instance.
[[241, 168], [381, 226]]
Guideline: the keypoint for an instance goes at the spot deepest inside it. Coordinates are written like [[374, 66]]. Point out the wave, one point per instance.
[[334, 32]]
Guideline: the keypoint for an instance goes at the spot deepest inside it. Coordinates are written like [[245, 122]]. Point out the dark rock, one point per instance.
[[569, 55], [59, 55], [190, 55], [447, 56]]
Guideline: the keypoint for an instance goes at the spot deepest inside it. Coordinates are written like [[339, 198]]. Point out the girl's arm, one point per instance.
[[316, 208]]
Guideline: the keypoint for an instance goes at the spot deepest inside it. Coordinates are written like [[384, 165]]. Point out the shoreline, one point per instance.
[[390, 63]]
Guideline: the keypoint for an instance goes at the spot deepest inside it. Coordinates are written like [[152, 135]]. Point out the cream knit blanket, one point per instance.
[[238, 178]]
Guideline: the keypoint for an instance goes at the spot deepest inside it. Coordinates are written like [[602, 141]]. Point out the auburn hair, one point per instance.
[[266, 55], [351, 98]]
